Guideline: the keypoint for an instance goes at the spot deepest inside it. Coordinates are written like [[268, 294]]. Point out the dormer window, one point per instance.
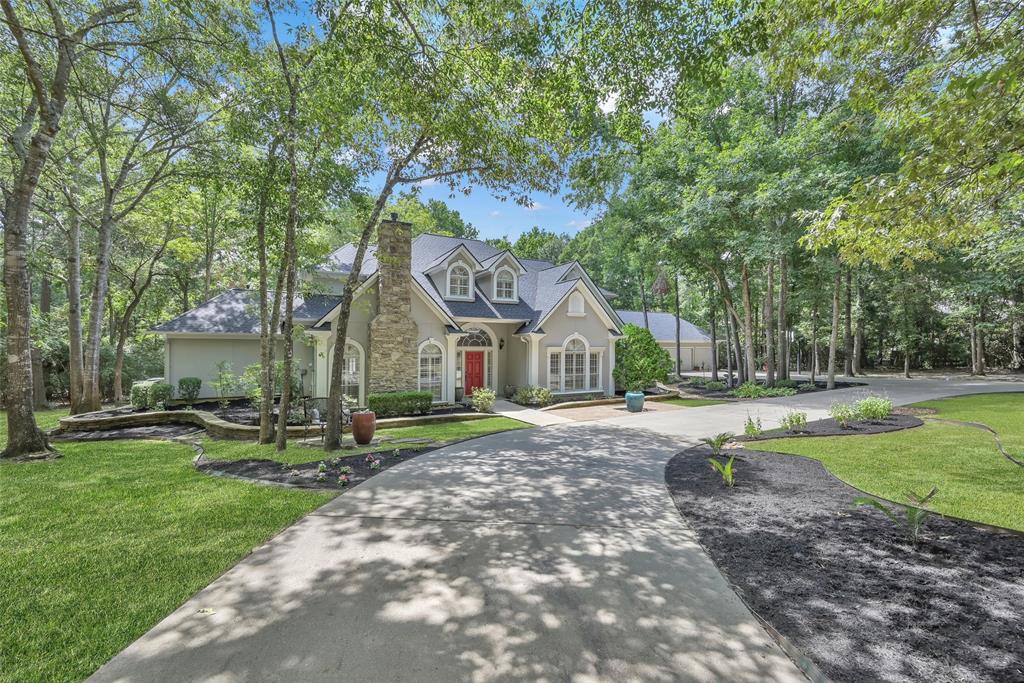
[[505, 285], [576, 305], [460, 282]]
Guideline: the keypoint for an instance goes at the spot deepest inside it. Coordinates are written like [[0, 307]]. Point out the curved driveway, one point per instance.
[[551, 554]]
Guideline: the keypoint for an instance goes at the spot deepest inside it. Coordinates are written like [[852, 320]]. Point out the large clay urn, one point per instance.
[[364, 424]]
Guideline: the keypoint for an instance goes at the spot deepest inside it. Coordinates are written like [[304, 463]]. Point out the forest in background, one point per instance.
[[834, 180]]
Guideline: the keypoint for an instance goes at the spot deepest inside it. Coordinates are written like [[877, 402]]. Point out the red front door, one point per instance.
[[474, 371]]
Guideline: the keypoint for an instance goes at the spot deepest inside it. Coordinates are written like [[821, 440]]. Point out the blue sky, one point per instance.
[[496, 218]]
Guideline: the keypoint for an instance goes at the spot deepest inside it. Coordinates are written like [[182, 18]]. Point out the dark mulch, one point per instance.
[[830, 427], [724, 394], [305, 474], [845, 586], [167, 431]]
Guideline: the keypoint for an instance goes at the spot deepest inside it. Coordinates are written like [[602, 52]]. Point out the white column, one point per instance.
[[610, 390], [534, 359], [449, 371], [320, 365]]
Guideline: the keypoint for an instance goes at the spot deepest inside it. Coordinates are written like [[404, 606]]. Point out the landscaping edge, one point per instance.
[[223, 429]]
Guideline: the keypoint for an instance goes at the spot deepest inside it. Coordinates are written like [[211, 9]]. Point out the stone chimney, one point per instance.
[[393, 333]]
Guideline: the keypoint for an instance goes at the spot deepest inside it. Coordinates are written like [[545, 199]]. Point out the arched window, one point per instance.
[[504, 285], [475, 337], [459, 281], [432, 369], [352, 372], [575, 362], [576, 307]]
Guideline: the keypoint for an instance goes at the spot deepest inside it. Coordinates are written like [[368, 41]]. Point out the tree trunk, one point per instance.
[[38, 367], [74, 290], [1016, 352], [714, 339], [679, 345], [728, 349], [972, 335], [848, 327], [981, 341], [783, 327], [94, 333], [267, 319], [813, 360], [769, 327], [749, 362], [834, 339], [643, 299], [858, 334]]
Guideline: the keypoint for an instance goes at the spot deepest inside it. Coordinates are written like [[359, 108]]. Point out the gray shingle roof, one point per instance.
[[663, 326], [236, 311]]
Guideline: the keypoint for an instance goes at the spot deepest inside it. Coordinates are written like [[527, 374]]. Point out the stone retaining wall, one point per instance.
[[222, 429]]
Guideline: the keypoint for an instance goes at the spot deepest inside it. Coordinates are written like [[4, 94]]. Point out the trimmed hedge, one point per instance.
[[159, 394], [139, 395], [148, 393], [400, 403], [188, 389]]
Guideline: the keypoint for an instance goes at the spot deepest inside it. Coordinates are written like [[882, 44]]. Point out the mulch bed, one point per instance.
[[844, 585], [305, 475], [167, 431], [701, 392], [829, 427]]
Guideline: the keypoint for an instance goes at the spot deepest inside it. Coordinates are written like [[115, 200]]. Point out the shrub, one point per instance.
[[807, 386], [188, 389], [532, 396], [227, 383], [159, 394], [843, 414], [787, 383], [482, 400], [251, 379], [139, 394], [400, 403], [725, 470], [754, 390], [639, 361], [752, 427], [718, 441], [697, 381], [794, 421], [873, 408], [714, 386]]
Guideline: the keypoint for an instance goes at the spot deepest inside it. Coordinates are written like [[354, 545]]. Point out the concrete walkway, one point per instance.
[[540, 418], [544, 554]]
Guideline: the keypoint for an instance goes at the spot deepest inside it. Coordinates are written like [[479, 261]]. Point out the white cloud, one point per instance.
[[609, 104], [579, 224], [495, 213], [426, 183], [535, 206]]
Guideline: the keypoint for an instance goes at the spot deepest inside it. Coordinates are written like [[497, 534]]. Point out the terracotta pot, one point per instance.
[[364, 424]]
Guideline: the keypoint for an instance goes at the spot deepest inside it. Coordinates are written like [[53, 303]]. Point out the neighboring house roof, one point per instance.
[[236, 311], [540, 289], [663, 326]]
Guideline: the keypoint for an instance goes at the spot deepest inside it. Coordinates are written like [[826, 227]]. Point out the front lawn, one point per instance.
[[975, 481], [440, 433], [693, 402], [98, 546]]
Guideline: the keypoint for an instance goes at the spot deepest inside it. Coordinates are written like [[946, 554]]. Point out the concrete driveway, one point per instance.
[[545, 554]]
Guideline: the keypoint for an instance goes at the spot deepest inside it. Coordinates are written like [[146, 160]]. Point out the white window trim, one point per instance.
[[588, 349], [568, 306], [362, 367], [515, 285], [444, 357], [448, 282]]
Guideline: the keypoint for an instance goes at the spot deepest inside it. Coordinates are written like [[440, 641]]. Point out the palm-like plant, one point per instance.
[[725, 470], [914, 515], [718, 441]]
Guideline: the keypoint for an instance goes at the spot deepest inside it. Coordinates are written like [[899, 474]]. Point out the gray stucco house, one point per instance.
[[433, 313]]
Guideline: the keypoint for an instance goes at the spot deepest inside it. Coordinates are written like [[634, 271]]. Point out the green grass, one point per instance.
[[693, 402], [441, 432], [98, 546], [975, 482]]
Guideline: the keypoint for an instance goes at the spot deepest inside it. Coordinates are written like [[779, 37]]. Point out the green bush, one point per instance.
[[714, 386], [807, 386], [873, 408], [482, 400], [754, 390], [639, 361], [752, 427], [227, 384], [532, 396], [843, 414], [159, 394], [794, 421], [697, 381], [400, 403], [188, 389], [789, 383], [139, 394]]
